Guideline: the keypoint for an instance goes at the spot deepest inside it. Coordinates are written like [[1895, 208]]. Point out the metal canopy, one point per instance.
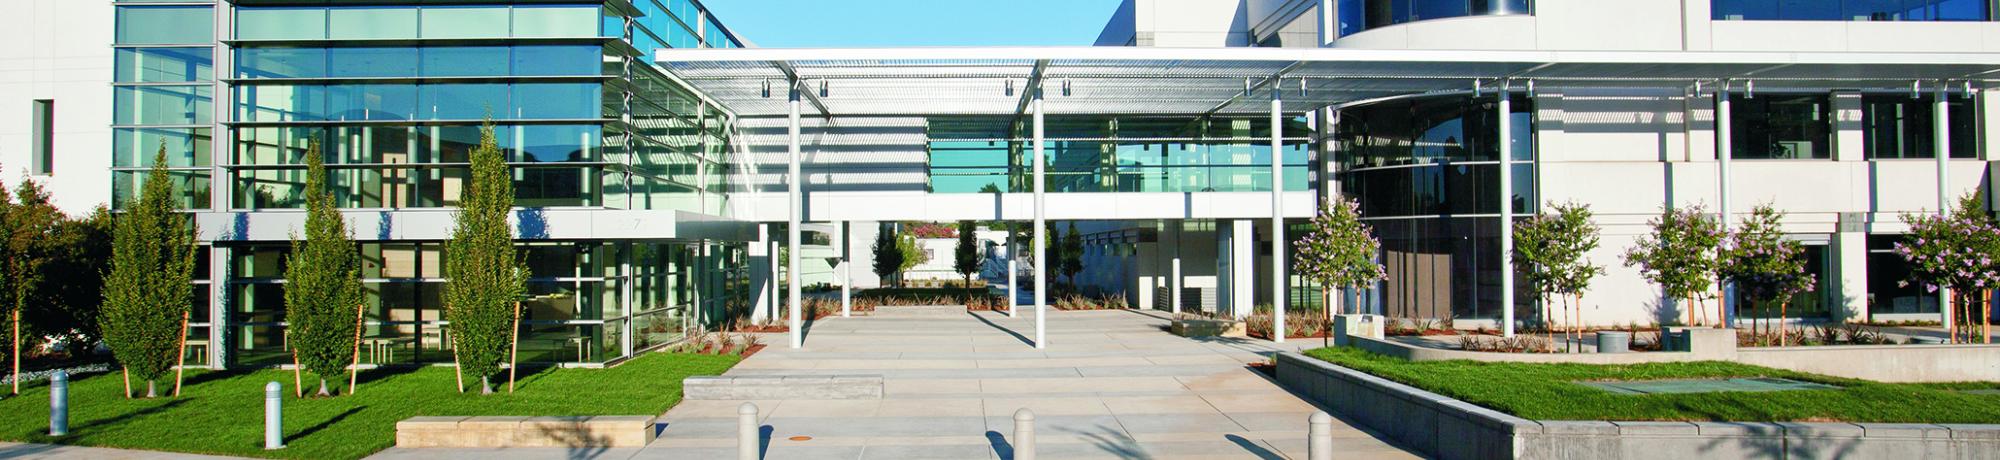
[[1176, 81]]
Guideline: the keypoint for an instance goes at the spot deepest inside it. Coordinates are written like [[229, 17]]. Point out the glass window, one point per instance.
[[273, 145], [164, 65], [465, 21], [1809, 304], [136, 147], [1897, 126], [1890, 289], [281, 62], [559, 143], [190, 187], [371, 22], [372, 62], [464, 101], [1780, 126], [1438, 9], [1851, 10], [533, 21], [558, 100], [267, 103], [371, 102], [287, 23], [558, 60], [165, 25], [465, 61], [162, 105]]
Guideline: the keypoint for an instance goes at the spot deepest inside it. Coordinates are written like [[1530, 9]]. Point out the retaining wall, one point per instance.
[[1445, 428], [1881, 363]]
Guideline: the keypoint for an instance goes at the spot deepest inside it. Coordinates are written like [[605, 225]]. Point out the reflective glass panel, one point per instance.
[[559, 100], [543, 21], [372, 62], [137, 147], [265, 103], [558, 60], [164, 65], [465, 61], [465, 21], [280, 23], [281, 62], [165, 25], [1781, 126], [371, 102], [559, 143], [464, 101], [162, 105], [371, 22]]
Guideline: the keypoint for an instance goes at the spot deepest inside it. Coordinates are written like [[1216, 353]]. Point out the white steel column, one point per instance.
[[1278, 298], [1506, 212], [1941, 143], [846, 269], [1180, 228], [1013, 290], [1723, 150], [793, 216], [1041, 240]]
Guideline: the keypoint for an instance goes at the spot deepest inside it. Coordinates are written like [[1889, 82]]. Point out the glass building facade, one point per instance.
[[1851, 10], [1426, 172], [1357, 16], [395, 96], [1117, 154]]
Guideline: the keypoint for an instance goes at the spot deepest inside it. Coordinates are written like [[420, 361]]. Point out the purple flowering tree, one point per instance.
[[1339, 251], [1680, 255], [1766, 267], [1551, 249], [1955, 251]]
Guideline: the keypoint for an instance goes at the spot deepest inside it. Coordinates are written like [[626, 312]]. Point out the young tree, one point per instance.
[[1680, 255], [1072, 254], [888, 256], [1552, 249], [29, 221], [152, 274], [322, 282], [912, 251], [1764, 266], [485, 277], [965, 257], [1339, 252], [1958, 251]]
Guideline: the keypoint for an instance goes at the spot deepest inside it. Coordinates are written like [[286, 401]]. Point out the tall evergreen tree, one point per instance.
[[1072, 254], [150, 284], [484, 276], [965, 257], [322, 282], [888, 255]]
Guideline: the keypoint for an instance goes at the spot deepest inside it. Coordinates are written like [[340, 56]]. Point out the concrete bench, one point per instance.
[[726, 388], [598, 431]]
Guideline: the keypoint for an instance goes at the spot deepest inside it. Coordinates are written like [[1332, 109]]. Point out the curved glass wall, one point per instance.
[[1360, 15], [1117, 154], [1426, 173], [1850, 10]]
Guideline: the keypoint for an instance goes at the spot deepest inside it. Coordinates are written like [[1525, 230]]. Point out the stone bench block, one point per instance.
[[745, 388], [504, 431], [1209, 328]]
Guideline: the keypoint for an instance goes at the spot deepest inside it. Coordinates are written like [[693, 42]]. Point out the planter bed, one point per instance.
[[1462, 409]]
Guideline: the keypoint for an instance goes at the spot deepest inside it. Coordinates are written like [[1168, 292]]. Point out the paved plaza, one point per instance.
[[1111, 384]]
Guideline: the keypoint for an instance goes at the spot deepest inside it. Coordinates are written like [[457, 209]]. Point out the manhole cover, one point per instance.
[[801, 438], [1682, 386]]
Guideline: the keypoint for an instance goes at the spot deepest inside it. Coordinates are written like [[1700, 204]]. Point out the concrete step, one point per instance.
[[920, 310]]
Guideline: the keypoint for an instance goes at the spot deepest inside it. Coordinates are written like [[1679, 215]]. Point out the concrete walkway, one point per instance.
[[1111, 384], [47, 451]]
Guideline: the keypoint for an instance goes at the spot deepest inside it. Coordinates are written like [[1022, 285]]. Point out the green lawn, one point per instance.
[[1547, 392], [222, 412]]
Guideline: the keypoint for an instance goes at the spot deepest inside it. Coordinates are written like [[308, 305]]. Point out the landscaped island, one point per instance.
[[1551, 392], [222, 412]]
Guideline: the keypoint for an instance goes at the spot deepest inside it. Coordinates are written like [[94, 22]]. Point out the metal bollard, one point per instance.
[[59, 404], [748, 432], [274, 416], [1319, 439], [1024, 434]]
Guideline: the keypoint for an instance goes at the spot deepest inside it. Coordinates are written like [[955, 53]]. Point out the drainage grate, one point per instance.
[[1684, 386]]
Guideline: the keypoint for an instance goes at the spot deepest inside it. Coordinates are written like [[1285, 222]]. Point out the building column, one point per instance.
[[763, 276], [1236, 264], [625, 296], [1506, 211], [846, 269], [1174, 283], [792, 217], [1013, 291], [1278, 297], [218, 308], [1723, 150], [1941, 146], [1041, 227]]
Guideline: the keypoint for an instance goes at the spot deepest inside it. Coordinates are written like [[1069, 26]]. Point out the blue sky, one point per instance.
[[876, 23]]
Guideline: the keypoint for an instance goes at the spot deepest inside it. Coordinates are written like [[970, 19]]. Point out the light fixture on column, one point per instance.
[[822, 88], [767, 88], [1302, 87], [1531, 88], [1750, 89], [1010, 87], [1246, 87], [1066, 87], [1916, 89], [1478, 89], [1697, 89], [1968, 88]]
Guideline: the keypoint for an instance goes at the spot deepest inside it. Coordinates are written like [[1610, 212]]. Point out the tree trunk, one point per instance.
[[151, 390], [322, 388], [17, 351], [180, 361], [514, 348], [1690, 310], [1986, 317], [1784, 339], [1950, 322], [128, 380], [1326, 309], [354, 370], [485, 385], [1579, 321]]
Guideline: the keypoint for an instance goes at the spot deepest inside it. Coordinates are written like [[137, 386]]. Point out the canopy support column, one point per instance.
[[1941, 147], [846, 269], [1724, 149], [1278, 297], [1041, 227], [1506, 211], [792, 218]]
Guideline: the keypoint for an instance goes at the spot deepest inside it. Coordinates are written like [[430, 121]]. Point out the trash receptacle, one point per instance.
[[1614, 342]]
